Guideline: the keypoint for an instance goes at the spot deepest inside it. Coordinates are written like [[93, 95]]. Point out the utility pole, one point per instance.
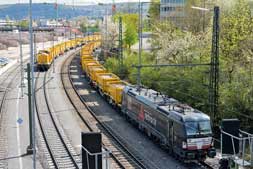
[[204, 15], [32, 85], [22, 84], [120, 46], [140, 46], [106, 31], [56, 5], [105, 45], [35, 48], [53, 54]]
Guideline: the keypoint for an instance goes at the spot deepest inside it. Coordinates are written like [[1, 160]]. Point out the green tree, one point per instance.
[[130, 28], [83, 25], [130, 35], [154, 10], [24, 24], [127, 19], [236, 30]]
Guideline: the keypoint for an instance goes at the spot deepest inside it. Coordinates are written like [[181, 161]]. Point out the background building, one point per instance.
[[172, 10]]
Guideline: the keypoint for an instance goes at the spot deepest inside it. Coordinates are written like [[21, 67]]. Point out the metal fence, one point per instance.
[[243, 157], [105, 154]]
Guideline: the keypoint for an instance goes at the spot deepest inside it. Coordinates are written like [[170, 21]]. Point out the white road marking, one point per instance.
[[18, 132]]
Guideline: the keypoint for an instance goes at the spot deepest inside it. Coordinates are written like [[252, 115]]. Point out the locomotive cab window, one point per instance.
[[198, 127], [205, 127]]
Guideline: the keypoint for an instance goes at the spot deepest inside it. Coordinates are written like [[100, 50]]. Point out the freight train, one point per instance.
[[45, 57], [183, 130]]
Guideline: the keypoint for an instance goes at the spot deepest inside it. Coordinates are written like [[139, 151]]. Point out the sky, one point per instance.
[[67, 2]]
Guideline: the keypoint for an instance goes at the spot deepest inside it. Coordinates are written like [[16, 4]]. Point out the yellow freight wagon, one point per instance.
[[89, 67], [85, 52], [84, 61], [83, 57], [114, 91], [88, 62], [93, 71], [102, 80], [68, 45]]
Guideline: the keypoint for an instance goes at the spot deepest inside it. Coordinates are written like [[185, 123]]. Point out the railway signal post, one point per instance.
[[120, 46], [30, 146]]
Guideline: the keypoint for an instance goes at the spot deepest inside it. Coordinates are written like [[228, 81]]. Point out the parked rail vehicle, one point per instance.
[[183, 130], [46, 57]]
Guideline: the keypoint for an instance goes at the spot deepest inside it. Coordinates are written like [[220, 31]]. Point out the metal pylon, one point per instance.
[[214, 67]]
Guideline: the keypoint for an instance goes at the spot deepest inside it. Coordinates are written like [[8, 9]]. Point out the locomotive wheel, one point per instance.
[[140, 127], [118, 109], [148, 133], [170, 151], [110, 101], [126, 117], [100, 92]]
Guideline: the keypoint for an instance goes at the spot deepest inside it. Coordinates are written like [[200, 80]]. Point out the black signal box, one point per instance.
[[92, 143], [232, 127]]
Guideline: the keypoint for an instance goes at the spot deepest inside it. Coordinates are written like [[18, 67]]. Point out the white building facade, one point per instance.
[[172, 9]]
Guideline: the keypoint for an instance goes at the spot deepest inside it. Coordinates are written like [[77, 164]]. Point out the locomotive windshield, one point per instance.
[[198, 127]]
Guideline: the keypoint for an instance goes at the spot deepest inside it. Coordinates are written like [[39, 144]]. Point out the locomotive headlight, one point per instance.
[[184, 145]]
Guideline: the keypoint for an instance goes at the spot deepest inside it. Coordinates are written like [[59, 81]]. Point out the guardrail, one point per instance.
[[245, 141]]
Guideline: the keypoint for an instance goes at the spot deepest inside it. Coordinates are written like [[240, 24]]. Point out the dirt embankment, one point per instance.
[[11, 39]]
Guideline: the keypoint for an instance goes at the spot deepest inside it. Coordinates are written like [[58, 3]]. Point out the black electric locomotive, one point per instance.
[[185, 131]]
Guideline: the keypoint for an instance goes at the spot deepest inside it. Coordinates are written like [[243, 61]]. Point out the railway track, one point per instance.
[[5, 84], [58, 147], [121, 140], [121, 153]]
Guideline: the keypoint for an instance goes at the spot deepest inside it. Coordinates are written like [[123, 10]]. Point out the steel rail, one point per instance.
[[43, 130], [55, 125], [77, 110], [3, 98], [109, 131]]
